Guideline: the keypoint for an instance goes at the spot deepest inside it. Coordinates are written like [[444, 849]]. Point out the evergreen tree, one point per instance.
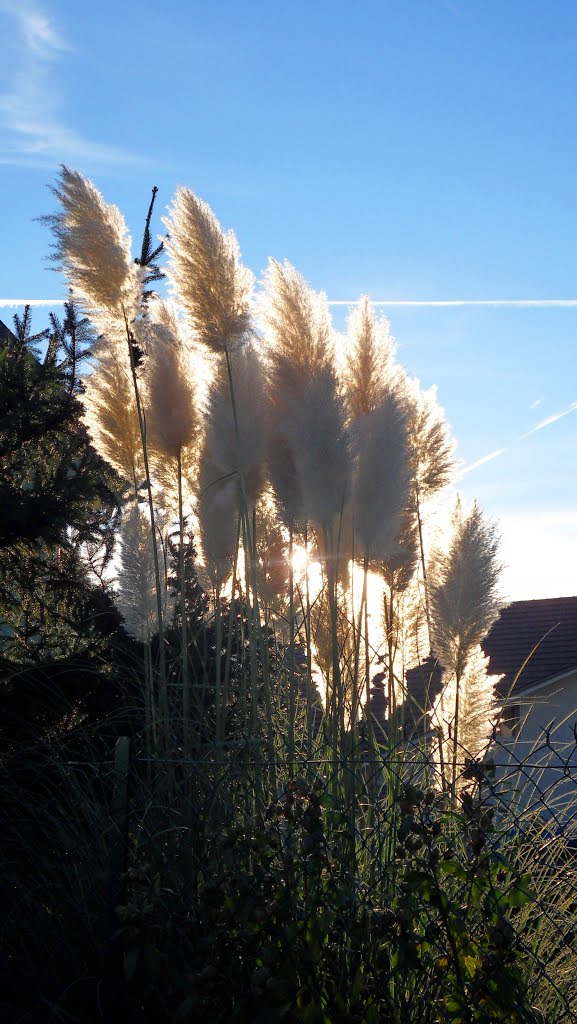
[[59, 509]]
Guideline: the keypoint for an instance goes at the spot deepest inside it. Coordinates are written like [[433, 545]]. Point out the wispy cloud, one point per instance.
[[32, 118], [537, 402], [431, 303], [39, 32]]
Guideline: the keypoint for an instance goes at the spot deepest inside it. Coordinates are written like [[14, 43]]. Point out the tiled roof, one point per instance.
[[549, 625]]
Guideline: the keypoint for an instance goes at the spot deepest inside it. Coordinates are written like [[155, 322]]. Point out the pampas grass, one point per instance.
[[353, 451], [207, 275], [111, 417], [172, 418], [464, 596], [308, 417], [136, 594], [298, 331], [282, 472], [432, 447], [234, 439], [478, 710], [369, 360], [464, 588], [218, 518], [93, 247], [321, 444], [381, 488], [173, 427]]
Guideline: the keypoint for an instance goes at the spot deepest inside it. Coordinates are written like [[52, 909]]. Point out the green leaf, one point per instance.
[[471, 965], [453, 868], [522, 893]]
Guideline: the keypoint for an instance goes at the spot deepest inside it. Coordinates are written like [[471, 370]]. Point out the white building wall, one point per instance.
[[537, 768]]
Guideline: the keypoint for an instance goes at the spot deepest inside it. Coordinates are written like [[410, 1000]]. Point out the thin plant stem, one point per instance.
[[159, 615], [423, 562], [291, 734], [228, 655], [456, 724], [183, 624], [219, 737]]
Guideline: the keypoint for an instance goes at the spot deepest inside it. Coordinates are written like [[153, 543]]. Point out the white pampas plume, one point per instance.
[[136, 596], [207, 275], [381, 485], [172, 421], [218, 512], [243, 452], [478, 708], [369, 359], [298, 331], [282, 471], [320, 442], [398, 568], [306, 408], [432, 447], [111, 417], [93, 248], [272, 558], [464, 589]]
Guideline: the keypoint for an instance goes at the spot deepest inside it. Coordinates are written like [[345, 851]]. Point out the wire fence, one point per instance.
[[228, 883]]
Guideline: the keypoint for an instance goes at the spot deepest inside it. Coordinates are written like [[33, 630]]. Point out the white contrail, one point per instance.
[[430, 303], [482, 461], [31, 302], [417, 303], [550, 419], [521, 437]]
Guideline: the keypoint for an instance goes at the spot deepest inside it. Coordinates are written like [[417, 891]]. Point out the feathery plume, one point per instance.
[[433, 449], [369, 359], [381, 479], [93, 248], [399, 567], [306, 409], [172, 422], [282, 472], [136, 596], [272, 558], [320, 442], [478, 708], [229, 452], [207, 275], [111, 417], [218, 517], [298, 330], [464, 589]]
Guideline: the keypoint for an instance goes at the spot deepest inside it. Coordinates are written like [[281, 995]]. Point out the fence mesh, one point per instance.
[[324, 889]]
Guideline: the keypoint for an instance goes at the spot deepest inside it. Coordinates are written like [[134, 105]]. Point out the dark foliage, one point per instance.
[[60, 634]]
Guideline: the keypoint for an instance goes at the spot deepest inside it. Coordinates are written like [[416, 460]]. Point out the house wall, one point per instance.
[[537, 768]]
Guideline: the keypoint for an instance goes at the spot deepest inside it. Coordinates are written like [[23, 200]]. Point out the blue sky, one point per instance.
[[418, 150]]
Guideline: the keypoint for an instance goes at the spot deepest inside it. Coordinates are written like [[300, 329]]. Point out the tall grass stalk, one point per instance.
[[185, 681], [163, 681]]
